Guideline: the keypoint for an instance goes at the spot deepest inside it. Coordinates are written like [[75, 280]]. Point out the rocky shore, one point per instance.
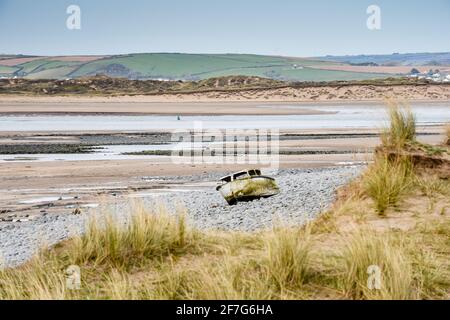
[[304, 194]]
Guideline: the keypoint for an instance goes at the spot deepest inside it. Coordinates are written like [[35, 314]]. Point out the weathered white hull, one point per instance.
[[248, 189]]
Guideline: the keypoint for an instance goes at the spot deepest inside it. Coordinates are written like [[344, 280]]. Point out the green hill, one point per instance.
[[177, 66]]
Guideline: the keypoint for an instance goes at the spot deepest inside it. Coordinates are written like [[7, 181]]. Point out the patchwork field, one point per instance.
[[178, 66]]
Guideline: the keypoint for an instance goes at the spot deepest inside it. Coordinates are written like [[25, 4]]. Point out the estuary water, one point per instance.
[[338, 117]]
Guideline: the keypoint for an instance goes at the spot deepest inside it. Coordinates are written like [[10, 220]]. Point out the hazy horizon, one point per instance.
[[221, 53]]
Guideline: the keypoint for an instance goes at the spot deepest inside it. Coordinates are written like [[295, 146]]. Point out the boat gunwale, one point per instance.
[[242, 171]]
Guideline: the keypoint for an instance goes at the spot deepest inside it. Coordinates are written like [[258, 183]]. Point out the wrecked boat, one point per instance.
[[247, 185]]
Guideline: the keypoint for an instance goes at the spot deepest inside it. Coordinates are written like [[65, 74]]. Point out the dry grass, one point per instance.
[[124, 262], [277, 270], [109, 246], [40, 279], [107, 241], [402, 126], [431, 186], [288, 257], [386, 181], [364, 252], [392, 175], [447, 134]]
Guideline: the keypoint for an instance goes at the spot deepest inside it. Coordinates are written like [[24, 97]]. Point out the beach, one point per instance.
[[63, 157]]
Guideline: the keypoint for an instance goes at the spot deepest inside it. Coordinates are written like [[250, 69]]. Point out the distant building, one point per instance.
[[435, 76]]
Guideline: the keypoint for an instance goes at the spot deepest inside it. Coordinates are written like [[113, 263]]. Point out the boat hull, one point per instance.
[[248, 189]]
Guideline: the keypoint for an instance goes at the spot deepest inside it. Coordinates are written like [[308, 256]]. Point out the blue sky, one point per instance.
[[281, 27]]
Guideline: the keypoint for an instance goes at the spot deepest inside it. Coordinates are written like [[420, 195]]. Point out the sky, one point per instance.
[[275, 27]]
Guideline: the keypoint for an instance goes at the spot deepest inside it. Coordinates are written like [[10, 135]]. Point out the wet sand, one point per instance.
[[187, 105], [132, 107]]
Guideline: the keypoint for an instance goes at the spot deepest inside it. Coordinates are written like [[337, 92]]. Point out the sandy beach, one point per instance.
[[142, 105]]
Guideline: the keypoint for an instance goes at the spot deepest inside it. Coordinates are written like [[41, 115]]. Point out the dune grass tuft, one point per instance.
[[142, 235], [110, 246], [288, 257], [432, 186], [386, 180], [276, 270], [401, 130], [41, 279], [384, 258], [447, 134]]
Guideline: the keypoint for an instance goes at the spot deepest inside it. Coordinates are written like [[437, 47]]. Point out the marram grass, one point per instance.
[[386, 181], [401, 130], [156, 256]]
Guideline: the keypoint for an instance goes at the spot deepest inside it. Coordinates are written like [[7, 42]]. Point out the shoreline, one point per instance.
[[122, 106]]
